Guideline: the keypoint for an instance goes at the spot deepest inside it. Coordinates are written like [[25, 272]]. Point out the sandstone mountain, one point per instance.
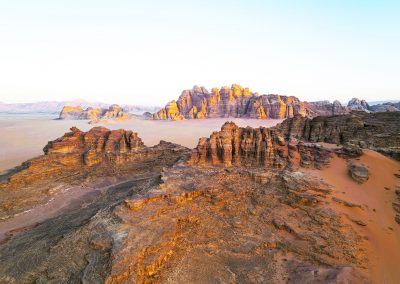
[[114, 112], [237, 101], [357, 104]]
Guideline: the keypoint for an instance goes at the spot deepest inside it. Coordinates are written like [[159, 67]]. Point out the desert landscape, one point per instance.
[[199, 142]]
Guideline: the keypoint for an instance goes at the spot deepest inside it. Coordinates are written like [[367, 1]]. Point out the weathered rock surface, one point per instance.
[[357, 104], [326, 108], [377, 131], [237, 210], [71, 159], [201, 225], [114, 112], [257, 147], [237, 101], [389, 106], [358, 172]]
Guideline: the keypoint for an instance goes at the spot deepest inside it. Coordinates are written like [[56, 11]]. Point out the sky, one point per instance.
[[146, 52]]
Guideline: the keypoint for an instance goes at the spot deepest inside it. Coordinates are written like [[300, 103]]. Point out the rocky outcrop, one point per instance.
[[234, 101], [326, 108], [255, 147], [93, 147], [74, 158], [114, 112], [357, 104], [358, 172], [377, 131], [295, 140], [389, 106]]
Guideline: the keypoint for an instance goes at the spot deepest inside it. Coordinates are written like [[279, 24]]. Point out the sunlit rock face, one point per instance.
[[114, 112], [234, 101]]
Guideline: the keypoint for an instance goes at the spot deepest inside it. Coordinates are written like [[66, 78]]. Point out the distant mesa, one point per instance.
[[114, 112], [54, 107]]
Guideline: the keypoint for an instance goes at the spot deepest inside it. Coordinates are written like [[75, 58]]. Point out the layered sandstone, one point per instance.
[[114, 112], [199, 225], [255, 147], [234, 101], [282, 145], [72, 159], [377, 131]]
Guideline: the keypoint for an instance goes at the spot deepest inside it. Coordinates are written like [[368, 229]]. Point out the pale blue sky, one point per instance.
[[147, 52]]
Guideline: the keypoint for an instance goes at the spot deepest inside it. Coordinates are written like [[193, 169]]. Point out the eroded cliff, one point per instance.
[[237, 101]]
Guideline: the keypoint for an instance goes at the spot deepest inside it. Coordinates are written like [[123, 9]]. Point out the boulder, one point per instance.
[[358, 172]]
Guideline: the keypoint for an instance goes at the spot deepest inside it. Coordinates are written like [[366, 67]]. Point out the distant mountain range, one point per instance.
[[56, 107]]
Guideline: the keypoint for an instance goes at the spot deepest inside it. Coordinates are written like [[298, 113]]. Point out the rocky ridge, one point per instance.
[[114, 112], [237, 101], [286, 143], [73, 158], [376, 131]]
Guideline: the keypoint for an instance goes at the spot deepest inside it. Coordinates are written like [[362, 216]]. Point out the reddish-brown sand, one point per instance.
[[381, 232]]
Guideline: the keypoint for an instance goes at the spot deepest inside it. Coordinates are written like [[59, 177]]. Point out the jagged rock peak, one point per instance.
[[357, 104], [234, 101]]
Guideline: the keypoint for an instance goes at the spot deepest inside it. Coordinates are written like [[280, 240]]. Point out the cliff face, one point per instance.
[[77, 152], [236, 101], [378, 131], [256, 147], [75, 158], [232, 101], [93, 114], [287, 143], [326, 108], [92, 147]]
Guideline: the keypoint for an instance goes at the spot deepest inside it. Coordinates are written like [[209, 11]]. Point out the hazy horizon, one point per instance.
[[146, 53]]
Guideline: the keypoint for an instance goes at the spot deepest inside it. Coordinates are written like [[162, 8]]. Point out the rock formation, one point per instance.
[[234, 101], [377, 131], [72, 158], [241, 209], [389, 106], [255, 147], [114, 112], [357, 104], [358, 172], [200, 225], [326, 108]]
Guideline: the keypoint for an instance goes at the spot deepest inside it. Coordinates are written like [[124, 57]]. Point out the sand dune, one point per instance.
[[382, 233]]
